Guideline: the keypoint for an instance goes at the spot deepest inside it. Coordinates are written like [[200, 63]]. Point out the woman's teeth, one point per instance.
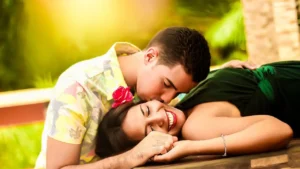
[[171, 119]]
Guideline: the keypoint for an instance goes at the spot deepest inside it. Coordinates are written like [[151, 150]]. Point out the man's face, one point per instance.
[[160, 82]]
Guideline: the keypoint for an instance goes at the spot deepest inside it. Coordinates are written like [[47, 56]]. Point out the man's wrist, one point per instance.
[[134, 158]]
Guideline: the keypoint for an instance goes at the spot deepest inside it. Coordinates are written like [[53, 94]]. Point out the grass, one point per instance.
[[20, 145]]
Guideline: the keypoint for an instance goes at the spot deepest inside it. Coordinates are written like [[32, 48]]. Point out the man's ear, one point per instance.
[[151, 55]]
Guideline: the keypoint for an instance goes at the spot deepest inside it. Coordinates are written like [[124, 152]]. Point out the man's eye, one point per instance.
[[166, 85]]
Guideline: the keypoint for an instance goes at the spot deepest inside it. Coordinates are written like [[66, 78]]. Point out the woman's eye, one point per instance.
[[148, 110], [151, 128]]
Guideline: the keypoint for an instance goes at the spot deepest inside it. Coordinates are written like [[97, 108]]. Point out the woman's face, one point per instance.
[[152, 116]]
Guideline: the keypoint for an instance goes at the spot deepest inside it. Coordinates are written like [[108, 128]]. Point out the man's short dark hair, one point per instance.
[[184, 46]]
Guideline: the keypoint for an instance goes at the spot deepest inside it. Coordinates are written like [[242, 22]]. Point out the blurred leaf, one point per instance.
[[45, 81], [11, 58], [229, 31], [204, 8], [237, 55]]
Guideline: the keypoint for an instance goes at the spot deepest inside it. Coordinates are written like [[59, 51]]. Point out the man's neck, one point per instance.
[[130, 65]]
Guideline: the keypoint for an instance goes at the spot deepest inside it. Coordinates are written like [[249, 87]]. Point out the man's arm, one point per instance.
[[66, 156]]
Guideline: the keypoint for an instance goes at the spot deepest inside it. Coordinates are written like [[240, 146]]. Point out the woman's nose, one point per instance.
[[159, 122]]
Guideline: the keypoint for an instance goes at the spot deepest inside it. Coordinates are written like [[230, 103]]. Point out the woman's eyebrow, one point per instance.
[[142, 110]]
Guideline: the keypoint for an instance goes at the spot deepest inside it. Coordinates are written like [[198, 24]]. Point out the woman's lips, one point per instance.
[[174, 119]]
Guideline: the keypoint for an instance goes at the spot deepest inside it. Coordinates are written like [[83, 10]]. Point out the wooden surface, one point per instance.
[[25, 97], [23, 114], [288, 158], [23, 106]]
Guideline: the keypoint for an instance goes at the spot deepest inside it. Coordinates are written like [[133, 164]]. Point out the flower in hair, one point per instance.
[[121, 95]]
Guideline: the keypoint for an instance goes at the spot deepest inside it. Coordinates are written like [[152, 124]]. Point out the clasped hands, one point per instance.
[[160, 147]]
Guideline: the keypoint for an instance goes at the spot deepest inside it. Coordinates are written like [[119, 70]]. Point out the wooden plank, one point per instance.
[[22, 114], [269, 161], [234, 162], [25, 97]]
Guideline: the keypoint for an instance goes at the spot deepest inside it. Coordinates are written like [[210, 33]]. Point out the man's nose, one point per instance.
[[167, 97]]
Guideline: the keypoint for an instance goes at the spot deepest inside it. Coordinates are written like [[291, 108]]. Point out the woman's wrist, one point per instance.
[[192, 149]]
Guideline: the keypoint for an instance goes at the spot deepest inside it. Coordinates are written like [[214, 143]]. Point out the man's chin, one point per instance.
[[142, 98]]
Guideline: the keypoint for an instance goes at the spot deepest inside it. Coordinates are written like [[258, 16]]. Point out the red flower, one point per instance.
[[121, 95]]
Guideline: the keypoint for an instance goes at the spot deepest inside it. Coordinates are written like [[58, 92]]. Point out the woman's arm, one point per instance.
[[248, 134], [243, 135], [252, 134]]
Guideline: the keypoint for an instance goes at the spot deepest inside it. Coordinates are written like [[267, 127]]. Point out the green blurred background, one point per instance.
[[41, 38]]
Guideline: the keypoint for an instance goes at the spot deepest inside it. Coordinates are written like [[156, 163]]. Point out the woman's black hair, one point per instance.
[[111, 139]]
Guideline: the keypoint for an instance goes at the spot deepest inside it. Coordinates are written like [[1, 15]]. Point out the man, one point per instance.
[[172, 63]]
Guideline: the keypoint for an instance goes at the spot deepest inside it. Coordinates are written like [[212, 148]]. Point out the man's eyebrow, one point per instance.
[[144, 115], [172, 84]]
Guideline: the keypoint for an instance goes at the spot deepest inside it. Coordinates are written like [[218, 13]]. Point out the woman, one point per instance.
[[233, 111]]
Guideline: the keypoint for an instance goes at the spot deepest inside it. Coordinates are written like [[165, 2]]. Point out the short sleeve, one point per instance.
[[68, 112]]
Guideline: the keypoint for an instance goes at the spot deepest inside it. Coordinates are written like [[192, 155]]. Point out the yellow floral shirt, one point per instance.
[[82, 96]]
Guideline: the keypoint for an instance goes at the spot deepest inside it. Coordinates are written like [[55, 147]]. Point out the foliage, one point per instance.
[[225, 34], [12, 70], [204, 8], [37, 44], [45, 81], [20, 145]]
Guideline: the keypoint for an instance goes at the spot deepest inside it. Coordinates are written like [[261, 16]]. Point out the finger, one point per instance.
[[162, 158], [150, 159], [253, 65], [169, 146], [248, 65], [164, 151], [175, 138], [175, 144], [238, 66]]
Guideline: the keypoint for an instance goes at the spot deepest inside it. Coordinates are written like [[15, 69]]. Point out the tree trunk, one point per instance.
[[272, 30]]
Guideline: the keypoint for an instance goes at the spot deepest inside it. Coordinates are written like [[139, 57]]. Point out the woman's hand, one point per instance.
[[240, 64], [181, 149]]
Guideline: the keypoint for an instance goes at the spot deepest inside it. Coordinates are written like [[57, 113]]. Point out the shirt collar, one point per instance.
[[119, 49]]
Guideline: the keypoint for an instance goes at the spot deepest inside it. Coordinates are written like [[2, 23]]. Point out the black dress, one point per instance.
[[272, 89]]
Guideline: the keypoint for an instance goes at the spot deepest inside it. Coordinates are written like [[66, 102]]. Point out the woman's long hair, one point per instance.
[[111, 139]]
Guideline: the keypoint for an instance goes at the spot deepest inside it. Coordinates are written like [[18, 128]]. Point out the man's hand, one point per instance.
[[181, 149], [240, 64], [155, 143]]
